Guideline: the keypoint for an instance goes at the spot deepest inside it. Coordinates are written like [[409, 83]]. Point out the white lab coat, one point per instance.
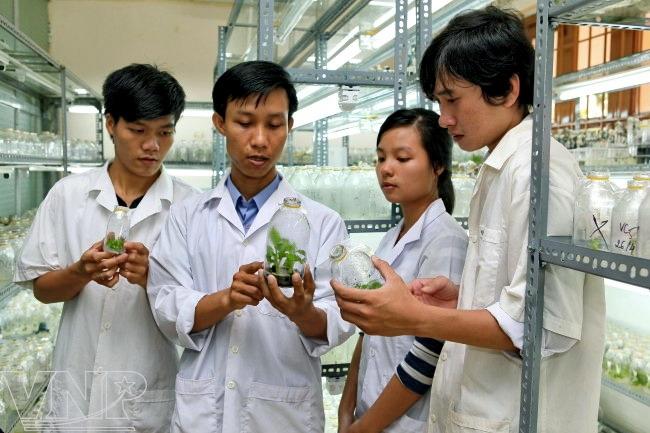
[[254, 371], [478, 390], [435, 246], [110, 359]]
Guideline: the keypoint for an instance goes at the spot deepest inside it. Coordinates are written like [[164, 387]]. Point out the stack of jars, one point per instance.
[[608, 219], [351, 191], [12, 232], [24, 364], [627, 357], [46, 145]]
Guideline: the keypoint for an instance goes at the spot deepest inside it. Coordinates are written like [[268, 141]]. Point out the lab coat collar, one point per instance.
[[161, 190], [226, 208], [432, 213], [508, 144]]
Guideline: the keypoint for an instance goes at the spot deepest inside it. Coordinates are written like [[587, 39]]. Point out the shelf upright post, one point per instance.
[[218, 140], [400, 84], [423, 25], [64, 121], [401, 53], [534, 308], [321, 147], [265, 30]]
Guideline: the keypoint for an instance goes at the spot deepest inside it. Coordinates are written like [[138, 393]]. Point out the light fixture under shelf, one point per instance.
[[610, 83]]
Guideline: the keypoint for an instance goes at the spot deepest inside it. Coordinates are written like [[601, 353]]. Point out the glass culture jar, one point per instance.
[[287, 240], [643, 240], [592, 217], [625, 218], [7, 257], [117, 230], [352, 266]]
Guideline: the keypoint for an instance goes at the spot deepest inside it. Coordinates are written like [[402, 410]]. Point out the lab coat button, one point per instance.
[[238, 313], [443, 356], [107, 326], [372, 352], [99, 370], [433, 418], [230, 384], [234, 349]]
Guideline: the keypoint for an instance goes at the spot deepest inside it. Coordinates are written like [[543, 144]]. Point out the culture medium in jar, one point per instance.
[[117, 230], [592, 217], [287, 241], [352, 266], [625, 218]]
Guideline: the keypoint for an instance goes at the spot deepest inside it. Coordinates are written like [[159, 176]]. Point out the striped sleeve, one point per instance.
[[417, 369]]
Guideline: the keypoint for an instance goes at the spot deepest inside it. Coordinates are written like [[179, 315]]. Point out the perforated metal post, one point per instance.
[[321, 145], [218, 140], [538, 221], [345, 141], [64, 121], [401, 53], [423, 26], [99, 132], [265, 30]]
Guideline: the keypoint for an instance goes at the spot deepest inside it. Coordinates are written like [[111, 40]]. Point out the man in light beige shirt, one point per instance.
[[480, 70]]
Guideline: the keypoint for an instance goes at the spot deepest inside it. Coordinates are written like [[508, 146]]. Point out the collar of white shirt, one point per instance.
[[508, 144], [161, 189], [432, 213], [227, 208]]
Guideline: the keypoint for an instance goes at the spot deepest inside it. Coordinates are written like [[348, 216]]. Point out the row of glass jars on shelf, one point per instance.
[[16, 143], [24, 364], [354, 191], [621, 143], [627, 357], [609, 219], [12, 232], [198, 150], [23, 316]]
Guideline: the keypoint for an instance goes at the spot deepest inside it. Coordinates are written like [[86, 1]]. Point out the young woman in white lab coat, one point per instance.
[[388, 388]]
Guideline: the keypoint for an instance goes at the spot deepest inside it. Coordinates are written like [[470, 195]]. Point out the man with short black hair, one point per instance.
[[480, 70], [251, 360], [113, 368]]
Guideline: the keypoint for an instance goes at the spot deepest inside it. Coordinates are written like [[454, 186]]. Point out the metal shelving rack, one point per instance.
[[556, 250], [327, 24], [39, 74]]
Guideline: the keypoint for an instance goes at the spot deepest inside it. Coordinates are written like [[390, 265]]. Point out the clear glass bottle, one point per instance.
[[643, 238], [7, 257], [117, 230], [592, 217], [625, 218], [352, 266], [287, 241]]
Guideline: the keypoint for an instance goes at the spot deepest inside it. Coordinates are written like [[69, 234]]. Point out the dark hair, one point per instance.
[[140, 91], [485, 47], [435, 140], [252, 78]]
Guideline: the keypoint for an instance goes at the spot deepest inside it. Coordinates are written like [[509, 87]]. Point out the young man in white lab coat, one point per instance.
[[480, 70], [112, 367], [251, 360]]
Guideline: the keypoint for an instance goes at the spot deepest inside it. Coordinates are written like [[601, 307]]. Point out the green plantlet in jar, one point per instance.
[[282, 255], [371, 285], [115, 245]]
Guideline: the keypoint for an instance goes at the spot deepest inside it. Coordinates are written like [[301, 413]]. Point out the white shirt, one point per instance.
[[254, 371], [434, 246], [478, 389], [110, 359]]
